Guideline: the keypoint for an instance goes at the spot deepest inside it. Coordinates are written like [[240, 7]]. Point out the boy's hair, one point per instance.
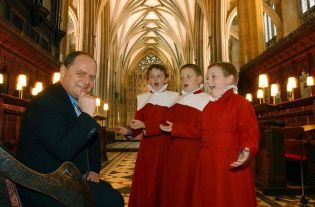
[[227, 69], [195, 67], [159, 67]]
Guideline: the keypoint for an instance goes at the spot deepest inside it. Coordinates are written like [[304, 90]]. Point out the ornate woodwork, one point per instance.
[[11, 111], [66, 184], [290, 56], [271, 161], [29, 43]]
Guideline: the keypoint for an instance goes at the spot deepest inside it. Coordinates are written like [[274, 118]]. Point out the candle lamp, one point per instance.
[[1, 78], [310, 83], [39, 86], [56, 77], [249, 97], [20, 84], [274, 90], [291, 86], [98, 103], [34, 91], [106, 107], [263, 83], [260, 95]]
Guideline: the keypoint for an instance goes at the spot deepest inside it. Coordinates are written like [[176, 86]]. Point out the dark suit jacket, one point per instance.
[[51, 133]]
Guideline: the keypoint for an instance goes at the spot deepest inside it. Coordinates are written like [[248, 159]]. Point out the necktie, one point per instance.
[[77, 109]]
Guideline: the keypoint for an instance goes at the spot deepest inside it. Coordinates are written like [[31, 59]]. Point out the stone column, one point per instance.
[[198, 37], [87, 19], [216, 31], [251, 29], [290, 15], [63, 27]]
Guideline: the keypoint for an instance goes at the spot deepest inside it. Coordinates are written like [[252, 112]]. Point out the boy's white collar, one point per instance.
[[155, 91], [190, 92], [234, 87]]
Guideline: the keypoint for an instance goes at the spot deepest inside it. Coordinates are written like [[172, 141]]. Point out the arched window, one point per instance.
[[270, 28], [147, 61], [306, 5]]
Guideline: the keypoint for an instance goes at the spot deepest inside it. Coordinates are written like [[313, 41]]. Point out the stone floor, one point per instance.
[[118, 170]]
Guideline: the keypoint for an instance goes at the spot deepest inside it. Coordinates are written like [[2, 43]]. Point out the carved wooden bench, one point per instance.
[[66, 184]]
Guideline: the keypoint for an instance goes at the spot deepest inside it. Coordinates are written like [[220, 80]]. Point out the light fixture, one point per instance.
[[105, 107], [34, 91], [249, 97], [310, 83], [98, 101], [291, 86], [1, 78], [39, 86], [21, 82], [56, 77], [274, 90], [263, 83], [260, 95]]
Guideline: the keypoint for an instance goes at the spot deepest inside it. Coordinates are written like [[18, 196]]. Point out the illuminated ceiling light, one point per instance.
[[152, 16], [152, 3]]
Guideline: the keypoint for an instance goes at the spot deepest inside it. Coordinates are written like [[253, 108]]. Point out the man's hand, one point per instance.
[[242, 159], [168, 127], [136, 124], [93, 177], [122, 130], [87, 104]]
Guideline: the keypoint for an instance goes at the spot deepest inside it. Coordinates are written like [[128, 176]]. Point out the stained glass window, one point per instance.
[[147, 61]]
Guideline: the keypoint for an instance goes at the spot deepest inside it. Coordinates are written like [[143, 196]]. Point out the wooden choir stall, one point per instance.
[[280, 82]]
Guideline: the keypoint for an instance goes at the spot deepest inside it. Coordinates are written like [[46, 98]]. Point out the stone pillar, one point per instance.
[[290, 15], [87, 19], [198, 38], [216, 32], [64, 27], [251, 29]]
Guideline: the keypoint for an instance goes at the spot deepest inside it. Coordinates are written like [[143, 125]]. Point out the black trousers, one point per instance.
[[105, 196]]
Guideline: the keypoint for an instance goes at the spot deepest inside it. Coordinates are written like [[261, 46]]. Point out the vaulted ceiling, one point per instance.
[[161, 27]]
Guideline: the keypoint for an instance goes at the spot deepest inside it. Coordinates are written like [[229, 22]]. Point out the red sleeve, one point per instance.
[[188, 131], [153, 130], [152, 126], [248, 128], [138, 116]]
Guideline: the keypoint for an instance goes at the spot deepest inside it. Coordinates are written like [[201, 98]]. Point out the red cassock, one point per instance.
[[229, 125], [145, 188], [182, 149]]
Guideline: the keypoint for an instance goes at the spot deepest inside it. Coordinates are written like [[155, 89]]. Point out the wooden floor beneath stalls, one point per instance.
[[118, 170]]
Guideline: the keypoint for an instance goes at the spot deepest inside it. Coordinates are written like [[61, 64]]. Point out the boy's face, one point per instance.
[[189, 79], [217, 82], [157, 79]]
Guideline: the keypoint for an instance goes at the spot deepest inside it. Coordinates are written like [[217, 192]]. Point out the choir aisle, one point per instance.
[[118, 170]]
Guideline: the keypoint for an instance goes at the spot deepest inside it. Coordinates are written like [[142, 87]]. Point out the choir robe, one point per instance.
[[145, 188], [183, 149], [229, 125]]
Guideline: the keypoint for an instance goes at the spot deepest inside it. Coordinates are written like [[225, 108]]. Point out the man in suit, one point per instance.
[[58, 126]]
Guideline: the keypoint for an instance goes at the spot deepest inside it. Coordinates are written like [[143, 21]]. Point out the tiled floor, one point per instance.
[[119, 170]]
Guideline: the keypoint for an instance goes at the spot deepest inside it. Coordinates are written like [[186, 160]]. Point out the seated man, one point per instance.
[[58, 126]]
